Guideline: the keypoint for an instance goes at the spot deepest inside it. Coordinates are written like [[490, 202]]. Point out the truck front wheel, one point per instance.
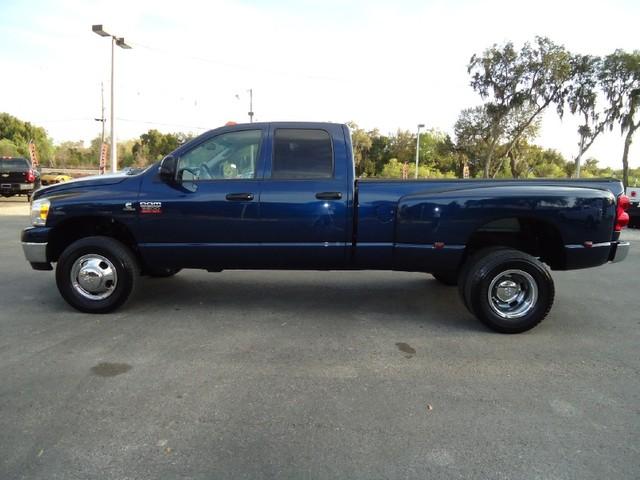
[[508, 290], [96, 274]]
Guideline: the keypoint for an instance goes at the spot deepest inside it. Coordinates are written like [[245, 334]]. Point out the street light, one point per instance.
[[420, 125], [119, 41]]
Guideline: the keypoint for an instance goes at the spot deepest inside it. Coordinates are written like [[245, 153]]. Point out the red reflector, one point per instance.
[[633, 193], [588, 244], [439, 245]]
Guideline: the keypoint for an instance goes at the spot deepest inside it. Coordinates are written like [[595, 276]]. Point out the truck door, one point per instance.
[[305, 199], [211, 218]]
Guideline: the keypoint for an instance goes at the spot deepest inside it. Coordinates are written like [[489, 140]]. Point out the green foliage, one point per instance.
[[620, 81], [381, 155], [154, 145], [517, 86], [8, 148], [361, 142], [20, 133], [393, 169]]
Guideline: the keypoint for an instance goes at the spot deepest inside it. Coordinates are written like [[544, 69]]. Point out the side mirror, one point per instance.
[[168, 168]]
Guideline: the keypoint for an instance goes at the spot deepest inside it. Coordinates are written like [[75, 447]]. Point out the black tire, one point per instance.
[[447, 277], [532, 278], [463, 275], [160, 272], [120, 257]]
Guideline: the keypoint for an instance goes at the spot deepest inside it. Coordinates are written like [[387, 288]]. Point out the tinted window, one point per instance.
[[13, 164], [302, 153], [228, 156]]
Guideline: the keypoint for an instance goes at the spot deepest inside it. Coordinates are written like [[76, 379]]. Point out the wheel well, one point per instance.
[[67, 232], [535, 237]]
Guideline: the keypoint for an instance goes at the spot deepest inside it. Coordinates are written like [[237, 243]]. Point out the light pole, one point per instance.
[[420, 125], [119, 41], [251, 105]]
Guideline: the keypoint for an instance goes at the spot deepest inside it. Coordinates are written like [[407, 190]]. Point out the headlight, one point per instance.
[[40, 211]]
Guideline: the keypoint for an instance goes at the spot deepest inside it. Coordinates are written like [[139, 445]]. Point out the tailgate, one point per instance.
[[13, 177]]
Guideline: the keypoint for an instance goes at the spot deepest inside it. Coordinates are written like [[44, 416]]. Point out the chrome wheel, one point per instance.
[[94, 276], [512, 294]]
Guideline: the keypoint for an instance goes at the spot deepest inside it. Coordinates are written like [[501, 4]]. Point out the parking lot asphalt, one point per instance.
[[355, 375]]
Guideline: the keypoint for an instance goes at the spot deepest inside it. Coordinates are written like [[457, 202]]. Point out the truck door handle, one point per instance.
[[329, 195], [239, 197]]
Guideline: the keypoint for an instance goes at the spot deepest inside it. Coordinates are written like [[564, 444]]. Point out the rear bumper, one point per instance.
[[582, 256], [15, 188], [621, 251]]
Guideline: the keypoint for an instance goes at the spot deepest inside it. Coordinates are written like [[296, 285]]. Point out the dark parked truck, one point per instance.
[[17, 177], [285, 196]]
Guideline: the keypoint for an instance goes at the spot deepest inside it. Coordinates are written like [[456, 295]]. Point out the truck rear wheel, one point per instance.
[[96, 274], [508, 290]]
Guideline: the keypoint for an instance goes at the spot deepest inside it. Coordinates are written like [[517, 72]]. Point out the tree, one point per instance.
[[402, 146], [526, 81], [438, 152], [582, 99], [620, 82], [487, 141], [378, 153], [154, 145], [361, 143], [473, 132], [20, 133], [8, 148], [535, 161]]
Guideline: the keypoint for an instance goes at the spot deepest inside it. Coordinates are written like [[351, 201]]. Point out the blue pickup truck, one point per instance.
[[285, 196]]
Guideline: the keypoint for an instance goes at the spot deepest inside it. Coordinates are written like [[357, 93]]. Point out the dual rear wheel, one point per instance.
[[508, 290]]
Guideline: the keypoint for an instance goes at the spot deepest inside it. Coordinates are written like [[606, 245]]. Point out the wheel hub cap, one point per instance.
[[507, 290], [512, 294], [94, 277]]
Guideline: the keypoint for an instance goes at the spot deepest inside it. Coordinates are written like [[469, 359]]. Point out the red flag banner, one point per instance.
[[33, 152], [103, 158]]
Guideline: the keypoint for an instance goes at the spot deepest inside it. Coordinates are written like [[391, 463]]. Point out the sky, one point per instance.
[[383, 64]]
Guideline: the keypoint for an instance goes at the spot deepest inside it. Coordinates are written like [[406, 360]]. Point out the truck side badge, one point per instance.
[[150, 207], [128, 207]]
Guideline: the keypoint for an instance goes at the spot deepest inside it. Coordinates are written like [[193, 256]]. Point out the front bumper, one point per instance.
[[35, 252], [34, 245]]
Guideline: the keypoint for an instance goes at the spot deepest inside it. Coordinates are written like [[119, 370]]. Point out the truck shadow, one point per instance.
[[376, 297]]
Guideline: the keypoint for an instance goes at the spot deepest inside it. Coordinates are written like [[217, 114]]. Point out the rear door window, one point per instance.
[[302, 154]]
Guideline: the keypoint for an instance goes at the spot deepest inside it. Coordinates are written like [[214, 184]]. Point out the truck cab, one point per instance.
[[258, 195]]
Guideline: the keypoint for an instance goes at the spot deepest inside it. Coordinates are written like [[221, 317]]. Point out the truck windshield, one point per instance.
[[13, 164]]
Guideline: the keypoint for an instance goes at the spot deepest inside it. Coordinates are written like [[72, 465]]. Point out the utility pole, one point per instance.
[[101, 119], [251, 105]]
